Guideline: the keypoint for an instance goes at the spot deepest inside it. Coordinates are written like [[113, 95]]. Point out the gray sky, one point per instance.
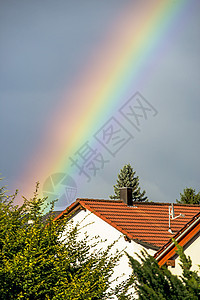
[[43, 47]]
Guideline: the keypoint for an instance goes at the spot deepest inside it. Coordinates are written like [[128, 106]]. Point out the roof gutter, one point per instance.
[[178, 239], [146, 244]]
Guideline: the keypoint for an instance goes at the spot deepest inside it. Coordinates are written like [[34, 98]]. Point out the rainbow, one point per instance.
[[111, 75]]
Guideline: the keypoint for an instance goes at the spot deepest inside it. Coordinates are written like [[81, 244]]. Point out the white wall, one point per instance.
[[192, 250], [106, 231]]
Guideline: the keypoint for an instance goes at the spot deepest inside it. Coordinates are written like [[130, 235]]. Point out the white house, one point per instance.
[[140, 225]]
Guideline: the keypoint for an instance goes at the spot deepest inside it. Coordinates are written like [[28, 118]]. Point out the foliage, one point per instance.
[[44, 259], [157, 283], [189, 197], [127, 178], [191, 279]]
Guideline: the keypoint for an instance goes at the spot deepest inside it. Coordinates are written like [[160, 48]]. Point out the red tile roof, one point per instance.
[[146, 223]]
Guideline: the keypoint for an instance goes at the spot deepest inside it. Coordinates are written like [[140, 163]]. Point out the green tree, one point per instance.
[[157, 283], [43, 259], [127, 178], [189, 196]]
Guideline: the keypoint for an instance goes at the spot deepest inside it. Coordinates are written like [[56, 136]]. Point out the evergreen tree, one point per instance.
[[155, 283], [127, 178], [189, 197]]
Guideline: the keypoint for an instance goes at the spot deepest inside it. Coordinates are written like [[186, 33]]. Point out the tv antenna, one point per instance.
[[172, 217]]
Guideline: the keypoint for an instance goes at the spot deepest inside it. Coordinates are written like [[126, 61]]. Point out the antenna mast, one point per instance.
[[172, 217]]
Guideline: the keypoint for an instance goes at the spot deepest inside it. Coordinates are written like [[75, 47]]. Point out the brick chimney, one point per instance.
[[126, 195]]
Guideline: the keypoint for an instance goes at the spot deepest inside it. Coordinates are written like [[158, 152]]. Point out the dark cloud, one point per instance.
[[43, 44]]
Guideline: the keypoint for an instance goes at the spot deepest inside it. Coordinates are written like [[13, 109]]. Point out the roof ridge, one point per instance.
[[138, 202], [100, 200]]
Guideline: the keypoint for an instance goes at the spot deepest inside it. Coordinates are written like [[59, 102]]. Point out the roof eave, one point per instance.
[[146, 244], [71, 210], [182, 237]]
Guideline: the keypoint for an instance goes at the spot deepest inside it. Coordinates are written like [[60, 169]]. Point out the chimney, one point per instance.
[[126, 195]]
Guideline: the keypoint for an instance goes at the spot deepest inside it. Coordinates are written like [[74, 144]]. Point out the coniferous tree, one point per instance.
[[154, 282], [127, 178], [189, 197]]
